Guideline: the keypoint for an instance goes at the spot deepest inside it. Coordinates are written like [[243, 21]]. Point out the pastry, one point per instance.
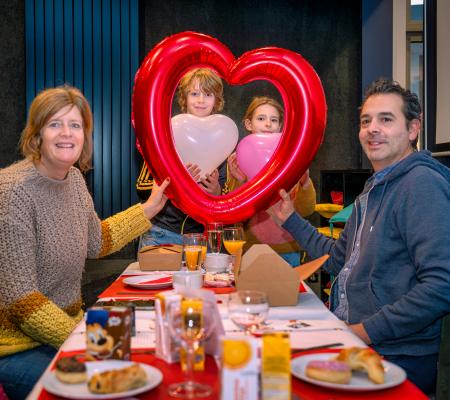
[[118, 380], [363, 359], [70, 370], [329, 371]]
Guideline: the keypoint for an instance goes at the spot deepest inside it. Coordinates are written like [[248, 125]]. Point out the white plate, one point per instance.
[[81, 391], [145, 281], [394, 375]]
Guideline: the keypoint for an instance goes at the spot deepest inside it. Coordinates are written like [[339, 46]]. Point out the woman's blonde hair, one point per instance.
[[209, 82], [44, 106], [259, 101]]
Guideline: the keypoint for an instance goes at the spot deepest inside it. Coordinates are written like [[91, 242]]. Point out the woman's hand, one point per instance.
[[282, 210], [234, 169], [211, 183], [157, 199]]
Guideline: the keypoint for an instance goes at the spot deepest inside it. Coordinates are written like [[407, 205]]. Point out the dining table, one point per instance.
[[313, 330]]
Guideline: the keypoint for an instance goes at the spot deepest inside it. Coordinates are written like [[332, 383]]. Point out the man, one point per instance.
[[392, 261]]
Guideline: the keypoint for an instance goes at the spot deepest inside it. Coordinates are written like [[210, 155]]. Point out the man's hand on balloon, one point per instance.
[[282, 210], [194, 170], [234, 169], [211, 183]]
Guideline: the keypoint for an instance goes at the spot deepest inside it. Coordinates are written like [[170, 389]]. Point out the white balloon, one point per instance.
[[206, 141]]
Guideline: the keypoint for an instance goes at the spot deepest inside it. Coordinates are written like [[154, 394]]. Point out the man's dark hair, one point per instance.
[[411, 105]]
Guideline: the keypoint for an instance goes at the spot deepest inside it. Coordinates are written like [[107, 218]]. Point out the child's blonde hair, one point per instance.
[[259, 101], [209, 82]]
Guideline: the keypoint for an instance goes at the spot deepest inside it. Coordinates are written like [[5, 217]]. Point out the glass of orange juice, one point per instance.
[[234, 240], [194, 250]]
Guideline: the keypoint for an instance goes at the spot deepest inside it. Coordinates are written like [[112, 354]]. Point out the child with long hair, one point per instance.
[[265, 115]]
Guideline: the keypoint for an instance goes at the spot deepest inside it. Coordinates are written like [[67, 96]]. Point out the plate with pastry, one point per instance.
[[111, 379], [156, 281], [335, 370], [218, 280]]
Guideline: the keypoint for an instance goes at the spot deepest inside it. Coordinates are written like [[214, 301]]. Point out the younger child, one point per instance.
[[200, 93], [265, 115]]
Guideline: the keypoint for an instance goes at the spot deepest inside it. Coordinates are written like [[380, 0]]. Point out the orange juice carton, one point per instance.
[[192, 320], [166, 347], [108, 333], [240, 368], [276, 366]]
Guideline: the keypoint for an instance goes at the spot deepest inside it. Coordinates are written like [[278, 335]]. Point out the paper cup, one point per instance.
[[189, 279], [217, 262]]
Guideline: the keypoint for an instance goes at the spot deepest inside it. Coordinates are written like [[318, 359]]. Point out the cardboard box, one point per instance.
[[165, 257], [263, 269], [108, 333]]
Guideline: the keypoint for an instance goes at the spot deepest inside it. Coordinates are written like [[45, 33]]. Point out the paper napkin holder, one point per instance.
[[166, 257]]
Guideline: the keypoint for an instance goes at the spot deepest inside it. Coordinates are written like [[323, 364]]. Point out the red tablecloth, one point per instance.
[[118, 289], [172, 373]]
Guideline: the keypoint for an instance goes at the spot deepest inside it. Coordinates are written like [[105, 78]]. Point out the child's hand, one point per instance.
[[194, 170], [234, 169], [211, 183]]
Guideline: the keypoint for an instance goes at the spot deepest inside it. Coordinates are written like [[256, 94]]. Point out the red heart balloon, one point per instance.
[[305, 119]]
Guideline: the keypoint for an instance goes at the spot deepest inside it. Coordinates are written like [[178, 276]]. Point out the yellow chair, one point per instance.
[[332, 233], [327, 210]]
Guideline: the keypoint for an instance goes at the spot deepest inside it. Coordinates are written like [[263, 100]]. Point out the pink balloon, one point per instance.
[[255, 151], [206, 141]]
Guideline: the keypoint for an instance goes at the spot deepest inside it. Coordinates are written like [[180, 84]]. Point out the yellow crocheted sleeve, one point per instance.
[[33, 320], [122, 228]]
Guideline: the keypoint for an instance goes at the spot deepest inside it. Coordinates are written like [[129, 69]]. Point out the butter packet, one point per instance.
[[276, 366], [240, 368]]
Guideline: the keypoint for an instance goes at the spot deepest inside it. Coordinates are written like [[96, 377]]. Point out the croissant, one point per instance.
[[363, 359], [118, 380]]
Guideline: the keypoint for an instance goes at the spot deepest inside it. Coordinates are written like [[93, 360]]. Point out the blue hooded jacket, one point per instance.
[[399, 287]]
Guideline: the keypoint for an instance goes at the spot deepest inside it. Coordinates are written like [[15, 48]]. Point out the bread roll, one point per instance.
[[363, 359], [118, 380], [328, 371], [70, 370]]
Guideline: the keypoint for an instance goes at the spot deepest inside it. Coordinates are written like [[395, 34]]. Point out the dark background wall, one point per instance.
[[326, 33], [12, 79]]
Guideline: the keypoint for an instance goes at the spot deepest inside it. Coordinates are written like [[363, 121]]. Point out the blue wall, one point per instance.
[[376, 40], [93, 45]]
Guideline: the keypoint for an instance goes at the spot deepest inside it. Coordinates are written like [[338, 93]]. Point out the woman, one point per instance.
[[48, 227]]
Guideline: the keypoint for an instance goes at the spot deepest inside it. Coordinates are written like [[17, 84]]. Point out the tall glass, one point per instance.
[[189, 325], [194, 250], [234, 240], [248, 309], [215, 232]]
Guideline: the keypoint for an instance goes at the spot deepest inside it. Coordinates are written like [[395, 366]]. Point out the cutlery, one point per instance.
[[137, 294], [322, 346]]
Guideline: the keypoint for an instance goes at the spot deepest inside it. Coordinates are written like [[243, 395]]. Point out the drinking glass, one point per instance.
[[215, 231], [234, 240], [248, 309], [194, 250], [188, 326]]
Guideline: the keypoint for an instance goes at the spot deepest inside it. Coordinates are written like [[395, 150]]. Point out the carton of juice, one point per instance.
[[192, 320], [240, 368], [165, 346], [276, 366], [108, 333]]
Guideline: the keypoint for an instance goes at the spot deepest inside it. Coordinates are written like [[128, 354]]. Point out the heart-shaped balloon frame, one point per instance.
[[305, 119]]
